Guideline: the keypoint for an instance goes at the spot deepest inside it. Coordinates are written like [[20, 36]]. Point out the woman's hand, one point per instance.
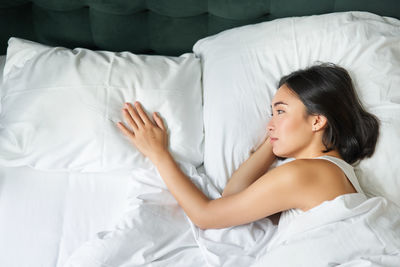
[[151, 139]]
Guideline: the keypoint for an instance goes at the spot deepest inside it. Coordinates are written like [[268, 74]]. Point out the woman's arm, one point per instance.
[[264, 197], [250, 170], [151, 141], [273, 192], [188, 196]]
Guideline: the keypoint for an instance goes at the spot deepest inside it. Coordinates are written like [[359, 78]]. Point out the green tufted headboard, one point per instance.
[[165, 27]]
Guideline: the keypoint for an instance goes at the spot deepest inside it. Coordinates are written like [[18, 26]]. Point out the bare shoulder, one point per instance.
[[313, 180], [301, 184], [305, 171]]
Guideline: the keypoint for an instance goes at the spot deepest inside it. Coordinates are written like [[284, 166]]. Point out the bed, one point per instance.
[[74, 192]]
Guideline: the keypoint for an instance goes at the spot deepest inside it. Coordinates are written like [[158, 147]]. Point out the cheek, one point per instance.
[[292, 134], [285, 132], [290, 126]]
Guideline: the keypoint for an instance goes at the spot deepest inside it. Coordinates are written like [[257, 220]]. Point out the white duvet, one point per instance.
[[350, 230]]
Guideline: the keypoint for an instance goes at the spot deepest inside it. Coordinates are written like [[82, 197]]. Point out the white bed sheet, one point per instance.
[[45, 216]]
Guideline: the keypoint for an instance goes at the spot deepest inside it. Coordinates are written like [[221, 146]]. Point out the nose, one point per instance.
[[270, 125]]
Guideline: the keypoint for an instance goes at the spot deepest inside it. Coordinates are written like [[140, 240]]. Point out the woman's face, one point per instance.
[[290, 128]]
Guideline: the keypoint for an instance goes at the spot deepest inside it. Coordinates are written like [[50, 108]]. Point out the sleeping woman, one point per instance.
[[317, 119]]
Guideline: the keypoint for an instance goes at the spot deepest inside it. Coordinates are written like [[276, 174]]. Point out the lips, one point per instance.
[[273, 139]]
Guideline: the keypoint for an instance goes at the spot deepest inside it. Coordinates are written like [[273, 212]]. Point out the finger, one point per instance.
[[129, 119], [158, 120], [142, 113], [135, 116], [125, 130]]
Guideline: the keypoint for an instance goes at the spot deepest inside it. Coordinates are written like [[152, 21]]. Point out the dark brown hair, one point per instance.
[[327, 89]]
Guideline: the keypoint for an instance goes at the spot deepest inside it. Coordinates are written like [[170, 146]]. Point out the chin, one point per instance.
[[281, 154], [278, 153]]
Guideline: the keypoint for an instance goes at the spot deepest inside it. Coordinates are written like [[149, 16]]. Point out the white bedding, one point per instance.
[[47, 215], [156, 232], [128, 218], [51, 214], [350, 230], [153, 231], [80, 101]]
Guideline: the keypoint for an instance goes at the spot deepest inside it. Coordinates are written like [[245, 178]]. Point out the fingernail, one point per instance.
[[126, 105]]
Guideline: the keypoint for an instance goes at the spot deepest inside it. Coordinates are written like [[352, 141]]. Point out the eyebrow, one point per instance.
[[279, 103]]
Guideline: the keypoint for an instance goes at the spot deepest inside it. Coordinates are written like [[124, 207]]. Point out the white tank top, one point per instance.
[[288, 215]]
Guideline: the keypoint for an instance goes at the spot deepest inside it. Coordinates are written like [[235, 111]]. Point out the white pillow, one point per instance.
[[242, 67], [380, 174], [60, 106]]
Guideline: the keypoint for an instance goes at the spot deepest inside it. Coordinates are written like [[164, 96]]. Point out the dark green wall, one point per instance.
[[168, 27]]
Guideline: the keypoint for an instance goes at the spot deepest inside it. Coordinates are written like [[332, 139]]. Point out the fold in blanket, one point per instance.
[[350, 230]]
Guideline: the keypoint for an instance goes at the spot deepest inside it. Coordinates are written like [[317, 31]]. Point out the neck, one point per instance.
[[315, 150]]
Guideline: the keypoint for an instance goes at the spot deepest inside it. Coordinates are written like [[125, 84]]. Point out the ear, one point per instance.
[[319, 122]]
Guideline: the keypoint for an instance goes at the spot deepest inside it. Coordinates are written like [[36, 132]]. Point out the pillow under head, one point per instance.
[[242, 68]]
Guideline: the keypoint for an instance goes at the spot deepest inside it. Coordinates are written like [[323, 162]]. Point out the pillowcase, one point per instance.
[[380, 174], [242, 68], [60, 106]]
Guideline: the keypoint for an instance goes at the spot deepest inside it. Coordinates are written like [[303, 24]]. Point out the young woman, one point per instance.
[[317, 119]]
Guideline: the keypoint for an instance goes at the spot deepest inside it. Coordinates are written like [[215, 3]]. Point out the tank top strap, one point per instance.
[[347, 169]]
